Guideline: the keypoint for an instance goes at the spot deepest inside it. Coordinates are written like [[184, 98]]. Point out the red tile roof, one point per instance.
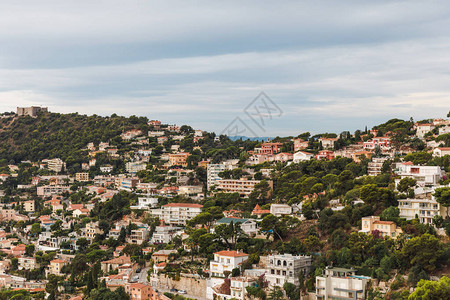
[[231, 253]]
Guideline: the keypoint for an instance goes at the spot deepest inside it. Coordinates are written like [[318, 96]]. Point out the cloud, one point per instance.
[[329, 65]]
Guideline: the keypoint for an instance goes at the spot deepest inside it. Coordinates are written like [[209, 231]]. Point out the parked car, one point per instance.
[[138, 270], [173, 290], [182, 292]]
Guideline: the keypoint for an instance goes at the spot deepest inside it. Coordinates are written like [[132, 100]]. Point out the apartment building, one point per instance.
[[284, 268], [55, 164], [269, 148], [50, 190], [424, 209], [178, 159], [55, 267], [128, 183], [423, 128], [135, 166], [386, 228], [91, 230], [325, 154], [164, 234], [226, 261], [340, 283], [383, 142], [374, 167], [242, 186], [140, 291], [145, 202], [238, 286], [212, 174], [138, 236], [190, 190], [83, 177], [177, 213], [27, 263], [11, 215], [424, 175], [29, 206], [328, 143], [302, 156], [300, 144]]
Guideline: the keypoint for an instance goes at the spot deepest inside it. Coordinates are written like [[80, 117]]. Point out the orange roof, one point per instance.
[[384, 222], [58, 261], [138, 285], [119, 260], [183, 205], [76, 206], [231, 253], [19, 247], [163, 264]]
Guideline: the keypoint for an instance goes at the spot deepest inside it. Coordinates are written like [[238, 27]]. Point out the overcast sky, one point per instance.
[[328, 65]]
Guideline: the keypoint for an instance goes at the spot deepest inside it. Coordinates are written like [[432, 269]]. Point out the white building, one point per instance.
[[55, 164], [239, 286], [226, 261], [424, 175], [164, 234], [242, 186], [340, 283], [145, 203], [248, 226], [134, 167], [302, 156], [424, 209], [441, 151], [327, 143], [49, 190], [286, 268], [444, 129], [213, 170], [280, 209], [27, 263], [177, 213], [422, 129], [374, 167], [190, 190], [106, 169]]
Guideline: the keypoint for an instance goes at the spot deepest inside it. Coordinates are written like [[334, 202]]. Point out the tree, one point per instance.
[[204, 218], [78, 265], [29, 250], [35, 229], [291, 291], [424, 251], [405, 184], [276, 293], [443, 196], [82, 244], [269, 225], [432, 290], [391, 213], [261, 193]]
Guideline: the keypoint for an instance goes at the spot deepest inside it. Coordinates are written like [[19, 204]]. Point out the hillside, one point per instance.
[[59, 135]]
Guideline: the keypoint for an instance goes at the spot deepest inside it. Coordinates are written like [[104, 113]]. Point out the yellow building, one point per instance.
[[28, 206], [82, 176], [386, 228]]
